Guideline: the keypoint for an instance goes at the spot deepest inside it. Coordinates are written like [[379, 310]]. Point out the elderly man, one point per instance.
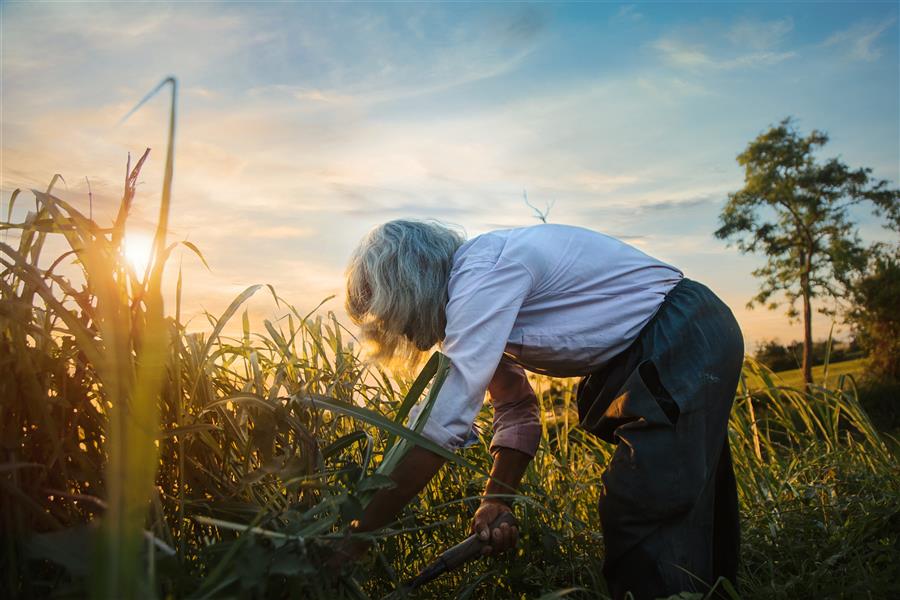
[[659, 356]]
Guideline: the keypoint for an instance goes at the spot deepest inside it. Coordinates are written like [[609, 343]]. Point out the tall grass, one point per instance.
[[110, 341], [144, 460]]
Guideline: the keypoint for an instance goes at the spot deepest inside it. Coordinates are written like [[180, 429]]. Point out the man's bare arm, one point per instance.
[[411, 475]]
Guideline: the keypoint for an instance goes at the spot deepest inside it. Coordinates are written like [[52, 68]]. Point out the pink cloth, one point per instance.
[[517, 416]]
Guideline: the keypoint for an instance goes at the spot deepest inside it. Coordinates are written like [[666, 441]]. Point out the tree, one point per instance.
[[874, 314], [775, 356], [795, 210]]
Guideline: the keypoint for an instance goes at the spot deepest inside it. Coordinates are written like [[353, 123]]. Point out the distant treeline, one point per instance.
[[780, 357]]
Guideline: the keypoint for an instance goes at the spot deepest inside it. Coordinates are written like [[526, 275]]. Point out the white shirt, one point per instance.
[[557, 299]]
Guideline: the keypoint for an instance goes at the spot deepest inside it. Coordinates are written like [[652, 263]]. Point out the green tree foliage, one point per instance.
[[775, 356], [796, 210], [875, 316], [786, 357]]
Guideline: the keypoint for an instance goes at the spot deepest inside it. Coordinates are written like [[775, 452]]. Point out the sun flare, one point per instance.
[[138, 248]]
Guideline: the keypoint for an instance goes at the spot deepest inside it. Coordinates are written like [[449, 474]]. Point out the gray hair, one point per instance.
[[397, 287]]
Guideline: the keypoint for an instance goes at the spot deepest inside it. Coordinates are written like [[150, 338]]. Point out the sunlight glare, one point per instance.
[[138, 248]]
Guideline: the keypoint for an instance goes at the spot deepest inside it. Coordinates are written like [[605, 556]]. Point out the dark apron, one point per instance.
[[668, 506]]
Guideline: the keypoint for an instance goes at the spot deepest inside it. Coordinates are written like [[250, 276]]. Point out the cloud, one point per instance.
[[201, 92], [61, 38], [525, 25], [747, 43], [670, 89], [757, 59], [859, 40], [245, 226], [369, 55], [684, 54], [602, 182], [677, 204], [378, 55], [759, 35], [628, 12]]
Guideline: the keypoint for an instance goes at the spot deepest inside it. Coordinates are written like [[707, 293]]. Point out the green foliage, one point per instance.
[[796, 211], [881, 399], [780, 357], [827, 530], [875, 316]]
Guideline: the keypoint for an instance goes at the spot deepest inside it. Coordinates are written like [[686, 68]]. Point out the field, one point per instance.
[[143, 460], [794, 378]]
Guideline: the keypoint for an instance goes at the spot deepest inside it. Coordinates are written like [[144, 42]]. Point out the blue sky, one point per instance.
[[301, 126]]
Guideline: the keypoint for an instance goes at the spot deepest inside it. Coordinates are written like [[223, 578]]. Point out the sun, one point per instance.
[[138, 249]]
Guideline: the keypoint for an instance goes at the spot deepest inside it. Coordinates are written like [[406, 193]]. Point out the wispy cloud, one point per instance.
[[684, 54], [681, 203], [602, 182], [379, 56], [746, 43], [629, 12], [759, 35], [860, 41]]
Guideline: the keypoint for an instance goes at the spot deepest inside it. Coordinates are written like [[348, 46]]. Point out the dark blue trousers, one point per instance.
[[668, 506]]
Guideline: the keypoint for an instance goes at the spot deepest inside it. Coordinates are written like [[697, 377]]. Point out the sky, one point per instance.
[[303, 125]]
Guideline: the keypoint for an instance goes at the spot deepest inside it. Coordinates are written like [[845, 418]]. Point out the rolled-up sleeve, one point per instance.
[[484, 301], [517, 417]]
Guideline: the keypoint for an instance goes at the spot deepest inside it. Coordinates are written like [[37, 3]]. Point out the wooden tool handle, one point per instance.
[[470, 548]]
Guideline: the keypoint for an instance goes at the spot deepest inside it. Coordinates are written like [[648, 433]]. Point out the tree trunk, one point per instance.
[[807, 329]]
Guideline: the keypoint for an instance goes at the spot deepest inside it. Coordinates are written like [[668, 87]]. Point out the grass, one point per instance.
[[856, 368], [142, 460], [879, 398]]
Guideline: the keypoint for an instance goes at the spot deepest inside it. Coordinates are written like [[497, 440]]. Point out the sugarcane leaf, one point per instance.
[[376, 481], [373, 418], [196, 251]]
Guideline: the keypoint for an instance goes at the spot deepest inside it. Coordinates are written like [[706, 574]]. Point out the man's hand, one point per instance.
[[509, 465], [501, 538]]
